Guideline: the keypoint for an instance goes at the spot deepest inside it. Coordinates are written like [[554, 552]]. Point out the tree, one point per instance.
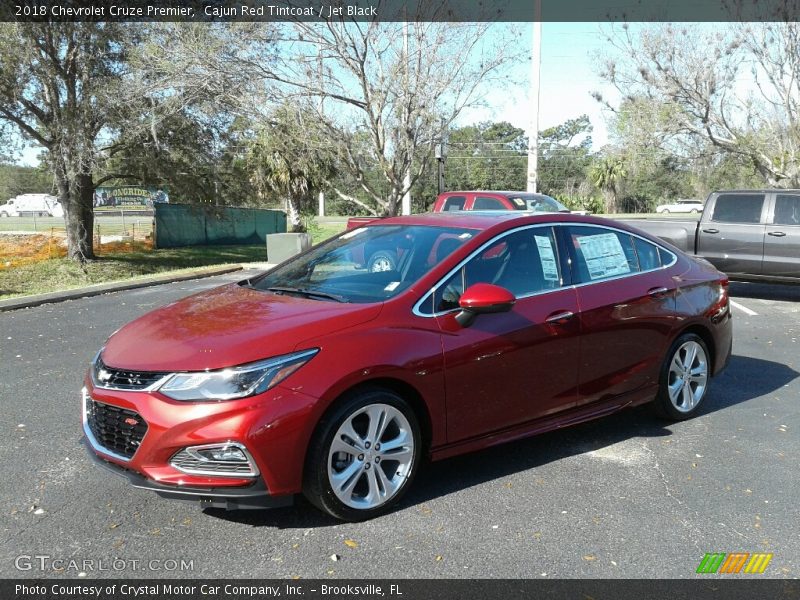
[[696, 76], [486, 156], [607, 174], [565, 156], [57, 87], [385, 92], [16, 180], [286, 159]]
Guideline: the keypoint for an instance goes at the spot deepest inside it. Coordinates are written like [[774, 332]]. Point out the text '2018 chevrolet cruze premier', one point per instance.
[[324, 378]]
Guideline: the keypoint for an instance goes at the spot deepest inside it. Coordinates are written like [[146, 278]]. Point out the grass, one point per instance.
[[322, 231], [63, 274], [35, 265]]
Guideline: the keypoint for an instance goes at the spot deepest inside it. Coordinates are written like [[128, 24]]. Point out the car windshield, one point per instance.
[[368, 264]]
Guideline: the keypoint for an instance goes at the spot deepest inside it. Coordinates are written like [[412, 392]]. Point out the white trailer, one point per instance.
[[40, 205]]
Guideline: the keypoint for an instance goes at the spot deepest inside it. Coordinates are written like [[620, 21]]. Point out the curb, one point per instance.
[[105, 288]]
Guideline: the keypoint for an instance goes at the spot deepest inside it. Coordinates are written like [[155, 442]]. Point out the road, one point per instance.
[[626, 496]]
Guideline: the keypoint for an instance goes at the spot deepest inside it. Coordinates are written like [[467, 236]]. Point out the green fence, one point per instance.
[[198, 225]]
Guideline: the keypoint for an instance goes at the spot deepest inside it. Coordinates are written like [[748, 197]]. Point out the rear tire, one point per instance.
[[382, 260], [684, 378], [363, 456]]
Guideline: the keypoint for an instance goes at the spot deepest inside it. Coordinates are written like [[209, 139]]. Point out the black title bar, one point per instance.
[[705, 587], [398, 10]]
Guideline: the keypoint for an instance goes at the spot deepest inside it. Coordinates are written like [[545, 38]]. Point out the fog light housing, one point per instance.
[[226, 459]]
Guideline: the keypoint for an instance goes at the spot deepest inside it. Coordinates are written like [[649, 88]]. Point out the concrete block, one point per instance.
[[281, 246]]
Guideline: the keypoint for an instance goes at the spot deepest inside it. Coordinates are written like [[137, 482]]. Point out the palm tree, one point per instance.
[[287, 161], [606, 175]]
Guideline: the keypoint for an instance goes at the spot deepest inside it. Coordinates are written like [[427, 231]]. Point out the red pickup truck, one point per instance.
[[386, 258]]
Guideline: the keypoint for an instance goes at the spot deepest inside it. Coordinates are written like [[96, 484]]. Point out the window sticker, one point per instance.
[[547, 256], [465, 236], [518, 201], [604, 255], [391, 287]]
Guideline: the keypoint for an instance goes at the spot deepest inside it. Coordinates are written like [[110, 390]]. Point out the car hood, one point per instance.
[[227, 326]]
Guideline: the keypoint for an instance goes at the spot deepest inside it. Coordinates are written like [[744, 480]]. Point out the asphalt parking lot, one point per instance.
[[625, 496]]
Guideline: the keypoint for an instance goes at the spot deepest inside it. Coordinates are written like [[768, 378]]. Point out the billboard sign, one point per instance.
[[129, 196]]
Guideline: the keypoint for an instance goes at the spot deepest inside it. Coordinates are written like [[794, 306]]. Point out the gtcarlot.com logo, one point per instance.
[[46, 562], [735, 562]]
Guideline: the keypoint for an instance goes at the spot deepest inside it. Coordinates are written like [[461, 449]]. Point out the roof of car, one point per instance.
[[484, 219], [498, 192]]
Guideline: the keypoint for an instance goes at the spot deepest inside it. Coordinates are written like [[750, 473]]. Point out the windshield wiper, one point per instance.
[[308, 293]]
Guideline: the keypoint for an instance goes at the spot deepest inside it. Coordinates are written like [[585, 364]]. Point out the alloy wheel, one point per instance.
[[687, 376], [371, 456]]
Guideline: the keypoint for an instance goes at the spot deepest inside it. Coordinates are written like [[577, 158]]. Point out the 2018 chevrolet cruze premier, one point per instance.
[[325, 378]]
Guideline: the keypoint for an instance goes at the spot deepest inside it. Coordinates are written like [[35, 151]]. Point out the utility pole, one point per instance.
[[321, 198], [536, 63], [406, 203], [440, 152]]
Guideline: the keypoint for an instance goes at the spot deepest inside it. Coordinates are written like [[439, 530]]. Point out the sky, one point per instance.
[[569, 65], [568, 77]]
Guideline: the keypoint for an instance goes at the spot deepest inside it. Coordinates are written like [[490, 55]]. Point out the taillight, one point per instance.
[[721, 306]]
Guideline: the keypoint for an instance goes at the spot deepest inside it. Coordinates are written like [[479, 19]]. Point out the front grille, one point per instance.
[[119, 379], [115, 429]]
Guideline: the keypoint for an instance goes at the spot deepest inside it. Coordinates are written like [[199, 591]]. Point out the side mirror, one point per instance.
[[483, 298]]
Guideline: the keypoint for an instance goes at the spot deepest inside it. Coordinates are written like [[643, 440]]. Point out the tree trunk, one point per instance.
[[293, 215], [76, 195], [611, 202]]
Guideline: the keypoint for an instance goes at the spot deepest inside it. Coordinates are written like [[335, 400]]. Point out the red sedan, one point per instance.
[[325, 378]]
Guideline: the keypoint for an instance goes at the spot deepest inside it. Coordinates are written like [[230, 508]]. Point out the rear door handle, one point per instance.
[[560, 317], [657, 291], [776, 233], [710, 230]]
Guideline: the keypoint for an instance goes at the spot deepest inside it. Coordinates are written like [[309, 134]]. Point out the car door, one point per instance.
[[732, 239], [782, 236], [509, 368], [626, 301]]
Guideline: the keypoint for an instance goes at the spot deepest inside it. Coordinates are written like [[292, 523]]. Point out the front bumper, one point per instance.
[[275, 427], [254, 496]]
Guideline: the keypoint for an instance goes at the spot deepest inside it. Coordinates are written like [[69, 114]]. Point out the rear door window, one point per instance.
[[601, 253], [738, 208], [787, 209]]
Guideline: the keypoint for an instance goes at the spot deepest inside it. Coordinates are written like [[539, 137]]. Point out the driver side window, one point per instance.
[[525, 262]]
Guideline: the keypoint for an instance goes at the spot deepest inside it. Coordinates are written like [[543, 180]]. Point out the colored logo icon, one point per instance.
[[735, 562]]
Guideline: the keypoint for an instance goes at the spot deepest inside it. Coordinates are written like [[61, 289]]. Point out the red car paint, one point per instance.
[[469, 385]]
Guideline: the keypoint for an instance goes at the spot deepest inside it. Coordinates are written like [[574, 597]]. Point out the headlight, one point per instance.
[[236, 382]]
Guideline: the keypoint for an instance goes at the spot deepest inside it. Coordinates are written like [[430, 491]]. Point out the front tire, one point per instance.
[[684, 378], [363, 456]]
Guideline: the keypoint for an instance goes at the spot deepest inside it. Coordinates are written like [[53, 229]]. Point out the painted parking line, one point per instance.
[[744, 309]]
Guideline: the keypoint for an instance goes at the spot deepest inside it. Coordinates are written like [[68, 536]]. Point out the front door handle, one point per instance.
[[710, 230], [776, 233], [657, 291], [560, 317]]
